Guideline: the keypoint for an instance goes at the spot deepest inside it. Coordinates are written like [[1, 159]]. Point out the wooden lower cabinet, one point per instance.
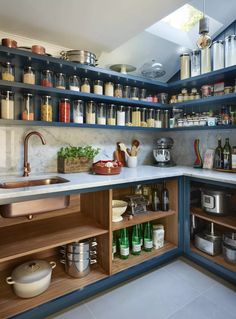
[[89, 215]]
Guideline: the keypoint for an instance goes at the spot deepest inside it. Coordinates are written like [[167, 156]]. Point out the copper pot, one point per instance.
[[38, 49], [9, 43]]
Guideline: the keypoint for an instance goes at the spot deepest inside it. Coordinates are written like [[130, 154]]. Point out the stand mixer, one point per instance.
[[162, 154]]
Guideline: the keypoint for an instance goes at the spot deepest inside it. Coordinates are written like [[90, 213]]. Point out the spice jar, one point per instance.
[[47, 78], [109, 88], [28, 107], [158, 119], [90, 112], [155, 98], [127, 92], [136, 116], [111, 114], [78, 111], [7, 105], [8, 72], [149, 98], [184, 66], [128, 116], [98, 87], [143, 117], [206, 91], [143, 94], [180, 98], [101, 114], [150, 118], [29, 75], [64, 110], [228, 89], [60, 81], [118, 90], [120, 114], [46, 108], [173, 99], [135, 93], [74, 83], [85, 86]]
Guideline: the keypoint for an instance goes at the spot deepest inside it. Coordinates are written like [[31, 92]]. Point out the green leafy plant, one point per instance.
[[74, 152]]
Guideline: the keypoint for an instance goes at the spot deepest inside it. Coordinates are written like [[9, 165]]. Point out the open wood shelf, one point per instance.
[[219, 259], [122, 264], [61, 284], [142, 218], [28, 238], [226, 221]]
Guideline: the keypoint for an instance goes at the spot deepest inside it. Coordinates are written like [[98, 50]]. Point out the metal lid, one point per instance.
[[158, 226], [218, 41], [195, 52], [230, 37], [230, 238], [185, 54], [28, 94]]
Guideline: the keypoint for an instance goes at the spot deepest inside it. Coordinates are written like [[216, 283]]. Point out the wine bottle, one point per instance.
[[156, 203], [147, 242], [218, 158], [136, 242], [165, 198], [227, 155], [124, 243]]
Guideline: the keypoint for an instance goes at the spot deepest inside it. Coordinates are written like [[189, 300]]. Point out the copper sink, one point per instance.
[[34, 182]]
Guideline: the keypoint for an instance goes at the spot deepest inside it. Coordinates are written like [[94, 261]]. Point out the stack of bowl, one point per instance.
[[77, 257], [229, 247]]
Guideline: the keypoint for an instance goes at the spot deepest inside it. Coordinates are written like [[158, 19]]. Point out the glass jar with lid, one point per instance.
[[143, 117], [28, 107], [64, 110], [150, 118], [74, 83], [111, 114], [46, 108], [128, 116], [218, 55], [205, 60], [78, 111], [47, 78], [101, 114], [143, 94], [195, 63], [127, 92], [184, 66], [136, 116], [166, 117], [230, 50], [91, 112], [60, 81], [7, 105], [158, 118], [120, 115], [98, 87], [85, 86], [8, 71], [109, 88], [118, 90], [135, 93], [29, 75]]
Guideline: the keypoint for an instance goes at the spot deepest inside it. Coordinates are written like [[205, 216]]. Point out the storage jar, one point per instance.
[[118, 90], [91, 112], [205, 60], [46, 108], [60, 81], [74, 83], [120, 114], [64, 110], [98, 87], [29, 75], [135, 93], [127, 92], [150, 118], [28, 107], [143, 117], [128, 116], [7, 105], [8, 72], [143, 94], [136, 116], [78, 111], [195, 63], [184, 66], [218, 55], [109, 88], [85, 86], [158, 119], [230, 50], [101, 114], [166, 117], [111, 114], [47, 78]]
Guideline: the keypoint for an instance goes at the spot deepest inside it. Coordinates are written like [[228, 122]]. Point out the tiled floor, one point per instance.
[[179, 290]]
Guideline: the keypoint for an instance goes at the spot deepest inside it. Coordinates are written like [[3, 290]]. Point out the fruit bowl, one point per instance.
[[118, 208], [107, 168]]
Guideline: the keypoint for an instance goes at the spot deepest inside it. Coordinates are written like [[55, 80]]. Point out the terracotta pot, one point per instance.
[[9, 43], [38, 49]]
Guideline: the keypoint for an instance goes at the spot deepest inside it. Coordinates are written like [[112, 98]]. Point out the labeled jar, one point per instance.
[[118, 90], [101, 114], [143, 94], [143, 117], [150, 118], [29, 75], [127, 92], [109, 88], [184, 66], [46, 108], [91, 112], [74, 83], [158, 119], [205, 60], [47, 78], [135, 93], [128, 116], [78, 111], [136, 116], [8, 72], [195, 63], [64, 111], [28, 107], [60, 81], [111, 114], [218, 55], [120, 115], [85, 86], [230, 50], [7, 105], [98, 87]]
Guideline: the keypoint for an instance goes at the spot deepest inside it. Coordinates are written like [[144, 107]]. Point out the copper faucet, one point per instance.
[[27, 168]]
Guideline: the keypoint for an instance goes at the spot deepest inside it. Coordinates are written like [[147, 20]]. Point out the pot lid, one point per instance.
[[31, 271]]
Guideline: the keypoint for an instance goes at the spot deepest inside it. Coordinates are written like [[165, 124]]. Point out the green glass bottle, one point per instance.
[[136, 240], [114, 247], [218, 158], [147, 243], [227, 155], [124, 243], [141, 234]]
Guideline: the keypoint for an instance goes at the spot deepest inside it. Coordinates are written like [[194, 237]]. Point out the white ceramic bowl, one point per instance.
[[118, 208]]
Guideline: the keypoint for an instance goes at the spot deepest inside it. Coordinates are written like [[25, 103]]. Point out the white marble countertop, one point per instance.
[[83, 181]]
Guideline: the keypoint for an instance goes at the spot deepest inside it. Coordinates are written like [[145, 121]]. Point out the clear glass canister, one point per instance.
[[158, 118], [78, 111], [60, 81], [28, 107], [205, 60], [120, 115], [135, 93], [46, 108], [101, 114], [8, 72], [111, 114], [150, 118], [109, 88], [85, 86], [128, 116], [29, 75], [230, 50], [98, 87], [127, 92], [47, 78], [64, 111], [184, 66], [91, 112], [136, 116], [7, 105], [118, 90], [166, 117], [143, 94], [218, 56], [143, 117], [195, 63], [74, 83]]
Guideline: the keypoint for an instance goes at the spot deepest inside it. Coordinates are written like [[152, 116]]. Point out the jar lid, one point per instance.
[[7, 93], [28, 67], [47, 71], [230, 37], [109, 83], [195, 52], [158, 226], [65, 100], [31, 271], [28, 94], [7, 63], [46, 96], [218, 41], [98, 81], [184, 54], [79, 101], [60, 74]]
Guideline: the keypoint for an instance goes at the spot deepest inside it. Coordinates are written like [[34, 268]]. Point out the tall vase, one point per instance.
[[198, 162]]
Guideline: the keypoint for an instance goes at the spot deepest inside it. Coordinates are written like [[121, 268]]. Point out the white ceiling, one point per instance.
[[114, 30]]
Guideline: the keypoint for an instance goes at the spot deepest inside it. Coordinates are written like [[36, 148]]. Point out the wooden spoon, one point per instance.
[[123, 148]]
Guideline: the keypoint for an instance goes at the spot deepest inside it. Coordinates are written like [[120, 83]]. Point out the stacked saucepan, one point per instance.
[[229, 247], [78, 256]]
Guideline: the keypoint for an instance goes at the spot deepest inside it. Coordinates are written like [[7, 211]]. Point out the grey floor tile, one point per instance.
[[76, 312], [202, 308]]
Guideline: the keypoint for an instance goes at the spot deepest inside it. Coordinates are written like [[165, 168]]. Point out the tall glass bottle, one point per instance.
[[147, 242], [218, 159], [114, 249], [136, 240], [227, 155], [165, 198], [124, 243]]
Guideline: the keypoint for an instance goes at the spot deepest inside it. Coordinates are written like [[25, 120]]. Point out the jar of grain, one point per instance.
[[47, 78], [85, 86], [29, 75], [7, 105], [8, 72], [150, 118], [136, 116], [101, 114], [78, 111], [111, 114], [28, 107], [128, 116], [120, 114], [109, 88], [46, 108], [98, 87], [143, 94], [91, 112], [143, 117], [127, 92], [118, 90], [184, 66], [64, 110], [74, 83], [60, 81], [135, 93]]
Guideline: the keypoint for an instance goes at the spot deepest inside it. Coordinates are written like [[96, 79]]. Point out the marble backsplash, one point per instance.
[[43, 158]]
